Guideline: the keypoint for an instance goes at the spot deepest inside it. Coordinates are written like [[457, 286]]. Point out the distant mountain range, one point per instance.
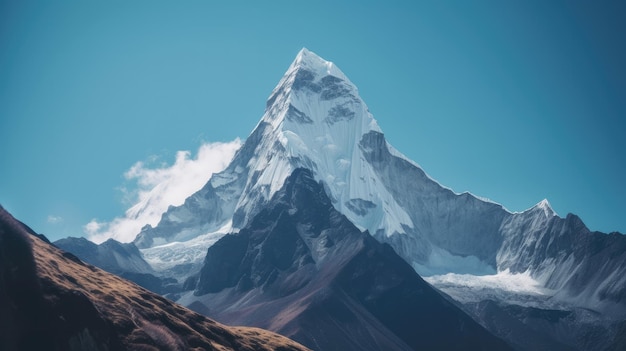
[[310, 269]]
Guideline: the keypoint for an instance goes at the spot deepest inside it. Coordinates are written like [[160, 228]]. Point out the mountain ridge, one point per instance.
[[315, 119], [304, 270]]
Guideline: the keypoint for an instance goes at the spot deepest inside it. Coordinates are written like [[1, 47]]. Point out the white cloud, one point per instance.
[[159, 187], [92, 227], [54, 219]]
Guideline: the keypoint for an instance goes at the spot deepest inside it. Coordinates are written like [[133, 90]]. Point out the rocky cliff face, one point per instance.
[[459, 233], [584, 268], [303, 269]]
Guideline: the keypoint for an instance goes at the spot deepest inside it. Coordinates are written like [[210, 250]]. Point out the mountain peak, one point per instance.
[[310, 76], [310, 61], [545, 206], [315, 91], [306, 55], [314, 119]]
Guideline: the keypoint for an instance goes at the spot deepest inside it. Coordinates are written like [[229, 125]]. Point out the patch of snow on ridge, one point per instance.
[[518, 288], [543, 205], [547, 208], [170, 255], [441, 262]]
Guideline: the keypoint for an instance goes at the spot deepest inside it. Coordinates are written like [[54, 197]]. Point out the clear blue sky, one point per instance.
[[515, 101]]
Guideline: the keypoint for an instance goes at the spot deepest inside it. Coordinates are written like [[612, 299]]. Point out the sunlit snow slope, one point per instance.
[[315, 119]]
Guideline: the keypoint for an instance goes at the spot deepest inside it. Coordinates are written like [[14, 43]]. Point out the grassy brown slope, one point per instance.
[[72, 305]]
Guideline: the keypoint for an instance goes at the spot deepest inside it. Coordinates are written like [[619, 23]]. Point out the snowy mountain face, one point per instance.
[[315, 119], [538, 280], [581, 267], [302, 269], [472, 249]]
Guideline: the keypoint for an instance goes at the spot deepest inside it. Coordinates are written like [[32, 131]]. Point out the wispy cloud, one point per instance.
[[54, 219], [156, 188]]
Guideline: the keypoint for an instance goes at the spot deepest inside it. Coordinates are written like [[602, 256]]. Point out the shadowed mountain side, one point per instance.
[[50, 300], [537, 329], [304, 270]]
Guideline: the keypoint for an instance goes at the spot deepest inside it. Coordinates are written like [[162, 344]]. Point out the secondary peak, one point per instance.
[[545, 206]]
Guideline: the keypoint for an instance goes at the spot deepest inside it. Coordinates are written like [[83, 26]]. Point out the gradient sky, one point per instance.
[[515, 101]]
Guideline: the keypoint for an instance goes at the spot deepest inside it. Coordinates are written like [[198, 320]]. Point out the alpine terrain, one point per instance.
[[533, 278], [304, 270], [50, 300]]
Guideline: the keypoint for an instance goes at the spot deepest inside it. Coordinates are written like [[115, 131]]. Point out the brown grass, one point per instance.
[[143, 319]]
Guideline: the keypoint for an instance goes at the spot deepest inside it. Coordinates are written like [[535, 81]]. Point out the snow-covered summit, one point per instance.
[[545, 206], [315, 119], [311, 61], [542, 207], [310, 81]]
